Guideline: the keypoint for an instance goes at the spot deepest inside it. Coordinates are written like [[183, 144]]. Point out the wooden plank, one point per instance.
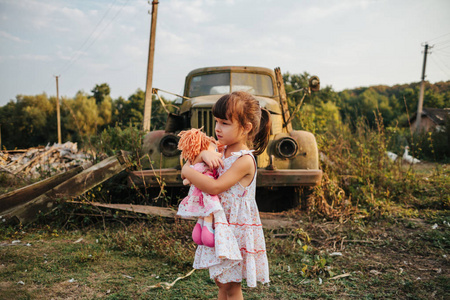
[[269, 220], [29, 192], [34, 160], [283, 99], [69, 189], [142, 209]]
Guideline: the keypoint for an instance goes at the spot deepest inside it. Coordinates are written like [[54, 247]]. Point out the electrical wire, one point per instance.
[[440, 52], [441, 36], [78, 54], [439, 66], [441, 48], [442, 61]]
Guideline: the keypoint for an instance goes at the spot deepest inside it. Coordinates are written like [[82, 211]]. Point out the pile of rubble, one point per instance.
[[42, 161]]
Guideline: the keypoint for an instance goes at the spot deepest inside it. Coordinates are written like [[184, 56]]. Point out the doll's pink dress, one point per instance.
[[240, 248], [198, 203]]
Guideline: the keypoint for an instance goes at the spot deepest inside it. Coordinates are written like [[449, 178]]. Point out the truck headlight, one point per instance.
[[169, 145], [286, 147]]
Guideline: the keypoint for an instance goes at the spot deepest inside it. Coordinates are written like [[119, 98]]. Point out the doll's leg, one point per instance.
[[197, 232], [208, 231]]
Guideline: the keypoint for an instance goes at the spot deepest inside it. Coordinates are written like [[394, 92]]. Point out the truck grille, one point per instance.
[[203, 117]]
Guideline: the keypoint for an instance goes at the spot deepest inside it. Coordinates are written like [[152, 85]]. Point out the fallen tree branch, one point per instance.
[[166, 285]]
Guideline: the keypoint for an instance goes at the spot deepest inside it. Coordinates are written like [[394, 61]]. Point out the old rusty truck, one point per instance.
[[289, 165]]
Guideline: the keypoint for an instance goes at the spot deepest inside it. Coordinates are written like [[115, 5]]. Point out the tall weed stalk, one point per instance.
[[360, 179]]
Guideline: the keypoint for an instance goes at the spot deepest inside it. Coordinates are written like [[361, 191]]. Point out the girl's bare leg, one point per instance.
[[230, 291]]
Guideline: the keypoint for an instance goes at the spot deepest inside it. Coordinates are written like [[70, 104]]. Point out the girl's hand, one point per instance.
[[186, 164], [212, 159]]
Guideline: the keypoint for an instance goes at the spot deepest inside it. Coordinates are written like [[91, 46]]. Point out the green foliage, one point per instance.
[[26, 121], [82, 117], [362, 175], [112, 139], [101, 92], [394, 103]]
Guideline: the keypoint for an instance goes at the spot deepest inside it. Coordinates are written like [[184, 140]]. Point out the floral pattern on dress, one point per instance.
[[239, 223]]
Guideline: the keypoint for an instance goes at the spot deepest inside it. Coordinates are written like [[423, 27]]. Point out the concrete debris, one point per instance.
[[32, 163]]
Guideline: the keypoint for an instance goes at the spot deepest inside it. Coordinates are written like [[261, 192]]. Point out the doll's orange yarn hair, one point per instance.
[[192, 142]]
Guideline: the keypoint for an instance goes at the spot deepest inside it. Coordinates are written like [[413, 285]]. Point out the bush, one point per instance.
[[112, 139]]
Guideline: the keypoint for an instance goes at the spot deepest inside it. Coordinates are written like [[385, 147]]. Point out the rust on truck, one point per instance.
[[290, 161]]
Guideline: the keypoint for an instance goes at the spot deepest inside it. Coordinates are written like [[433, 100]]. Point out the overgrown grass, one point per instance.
[[399, 258], [360, 179]]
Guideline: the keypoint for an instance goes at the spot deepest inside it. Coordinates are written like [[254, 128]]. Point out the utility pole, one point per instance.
[[422, 88], [151, 52], [58, 118]]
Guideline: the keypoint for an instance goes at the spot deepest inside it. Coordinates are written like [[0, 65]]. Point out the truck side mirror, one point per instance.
[[314, 83]]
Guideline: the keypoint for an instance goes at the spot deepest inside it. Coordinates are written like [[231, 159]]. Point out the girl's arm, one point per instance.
[[243, 166], [212, 158]]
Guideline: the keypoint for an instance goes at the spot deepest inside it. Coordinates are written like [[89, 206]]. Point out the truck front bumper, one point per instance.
[[264, 178]]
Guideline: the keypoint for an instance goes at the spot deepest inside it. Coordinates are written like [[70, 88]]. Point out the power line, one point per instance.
[[442, 43], [441, 62], [440, 52], [78, 54], [439, 66], [448, 33]]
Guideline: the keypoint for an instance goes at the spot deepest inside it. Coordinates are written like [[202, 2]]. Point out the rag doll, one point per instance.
[[197, 203]]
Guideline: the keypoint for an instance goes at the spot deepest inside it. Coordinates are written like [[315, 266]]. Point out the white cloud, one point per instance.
[[190, 12], [11, 37], [21, 57], [134, 51]]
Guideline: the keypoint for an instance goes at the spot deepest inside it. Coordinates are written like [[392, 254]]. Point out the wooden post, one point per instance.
[[151, 52], [58, 117], [283, 100], [422, 88]]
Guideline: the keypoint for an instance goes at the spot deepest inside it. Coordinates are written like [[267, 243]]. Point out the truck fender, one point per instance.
[[151, 150], [308, 154]]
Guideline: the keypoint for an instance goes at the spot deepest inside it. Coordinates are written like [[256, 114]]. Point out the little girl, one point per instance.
[[241, 125]]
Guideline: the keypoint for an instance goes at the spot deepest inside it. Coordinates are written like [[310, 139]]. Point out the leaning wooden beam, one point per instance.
[[29, 192], [69, 189], [142, 209], [269, 220]]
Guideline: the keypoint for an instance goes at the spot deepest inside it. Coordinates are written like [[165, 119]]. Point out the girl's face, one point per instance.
[[228, 132]]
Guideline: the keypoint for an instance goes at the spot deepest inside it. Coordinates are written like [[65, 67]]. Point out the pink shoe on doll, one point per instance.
[[197, 234], [207, 237]]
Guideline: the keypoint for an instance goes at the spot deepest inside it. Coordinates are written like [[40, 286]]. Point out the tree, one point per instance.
[[101, 92], [25, 122], [83, 117], [319, 109]]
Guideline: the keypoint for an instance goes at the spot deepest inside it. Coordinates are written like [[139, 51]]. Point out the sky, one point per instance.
[[347, 43]]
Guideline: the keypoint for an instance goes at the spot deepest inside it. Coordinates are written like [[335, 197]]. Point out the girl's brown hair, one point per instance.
[[244, 108]]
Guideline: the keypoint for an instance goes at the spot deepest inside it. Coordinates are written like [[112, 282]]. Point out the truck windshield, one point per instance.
[[224, 83]]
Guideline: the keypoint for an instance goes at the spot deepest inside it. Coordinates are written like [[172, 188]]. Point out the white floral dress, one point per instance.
[[239, 224]]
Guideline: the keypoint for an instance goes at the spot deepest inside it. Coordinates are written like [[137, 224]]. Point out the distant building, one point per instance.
[[432, 119]]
